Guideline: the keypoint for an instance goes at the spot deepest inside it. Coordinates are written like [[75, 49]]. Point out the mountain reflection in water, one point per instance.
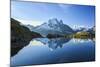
[[53, 43], [55, 50]]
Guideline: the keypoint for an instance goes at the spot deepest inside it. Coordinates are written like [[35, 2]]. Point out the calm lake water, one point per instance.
[[57, 50]]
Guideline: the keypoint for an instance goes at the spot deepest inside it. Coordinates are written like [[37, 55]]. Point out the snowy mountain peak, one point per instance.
[[53, 26], [61, 22], [55, 21]]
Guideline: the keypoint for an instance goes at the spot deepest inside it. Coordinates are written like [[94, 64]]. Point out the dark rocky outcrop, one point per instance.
[[20, 36], [53, 36]]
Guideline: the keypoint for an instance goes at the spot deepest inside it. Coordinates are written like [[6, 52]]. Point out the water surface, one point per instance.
[[56, 50]]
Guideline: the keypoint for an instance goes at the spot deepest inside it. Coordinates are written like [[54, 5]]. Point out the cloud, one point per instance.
[[31, 22]]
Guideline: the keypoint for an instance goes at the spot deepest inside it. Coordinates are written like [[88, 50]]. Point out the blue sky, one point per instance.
[[37, 13]]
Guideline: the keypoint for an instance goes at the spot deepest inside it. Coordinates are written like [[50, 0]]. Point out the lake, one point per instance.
[[55, 50]]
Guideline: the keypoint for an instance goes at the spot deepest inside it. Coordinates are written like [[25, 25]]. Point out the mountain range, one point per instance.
[[55, 27], [52, 26]]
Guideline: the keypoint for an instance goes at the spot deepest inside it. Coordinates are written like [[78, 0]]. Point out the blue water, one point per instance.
[[58, 50]]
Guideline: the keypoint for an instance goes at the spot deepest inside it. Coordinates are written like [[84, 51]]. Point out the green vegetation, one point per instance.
[[83, 35], [20, 36], [68, 36], [21, 31]]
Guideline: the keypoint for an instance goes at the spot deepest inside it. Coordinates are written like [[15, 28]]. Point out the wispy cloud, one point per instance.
[[26, 22]]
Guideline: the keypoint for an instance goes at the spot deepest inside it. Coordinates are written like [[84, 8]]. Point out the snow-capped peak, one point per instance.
[[55, 21], [53, 26]]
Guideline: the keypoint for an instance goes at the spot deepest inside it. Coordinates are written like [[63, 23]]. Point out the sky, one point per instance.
[[35, 13]]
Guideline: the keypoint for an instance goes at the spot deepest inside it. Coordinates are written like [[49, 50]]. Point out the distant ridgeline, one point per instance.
[[56, 28], [20, 36]]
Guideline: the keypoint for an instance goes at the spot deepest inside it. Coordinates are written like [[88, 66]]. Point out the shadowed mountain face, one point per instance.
[[20, 36]]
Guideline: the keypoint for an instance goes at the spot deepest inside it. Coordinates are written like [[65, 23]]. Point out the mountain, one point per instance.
[[85, 33], [81, 29], [92, 30], [30, 27], [20, 36], [53, 26]]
